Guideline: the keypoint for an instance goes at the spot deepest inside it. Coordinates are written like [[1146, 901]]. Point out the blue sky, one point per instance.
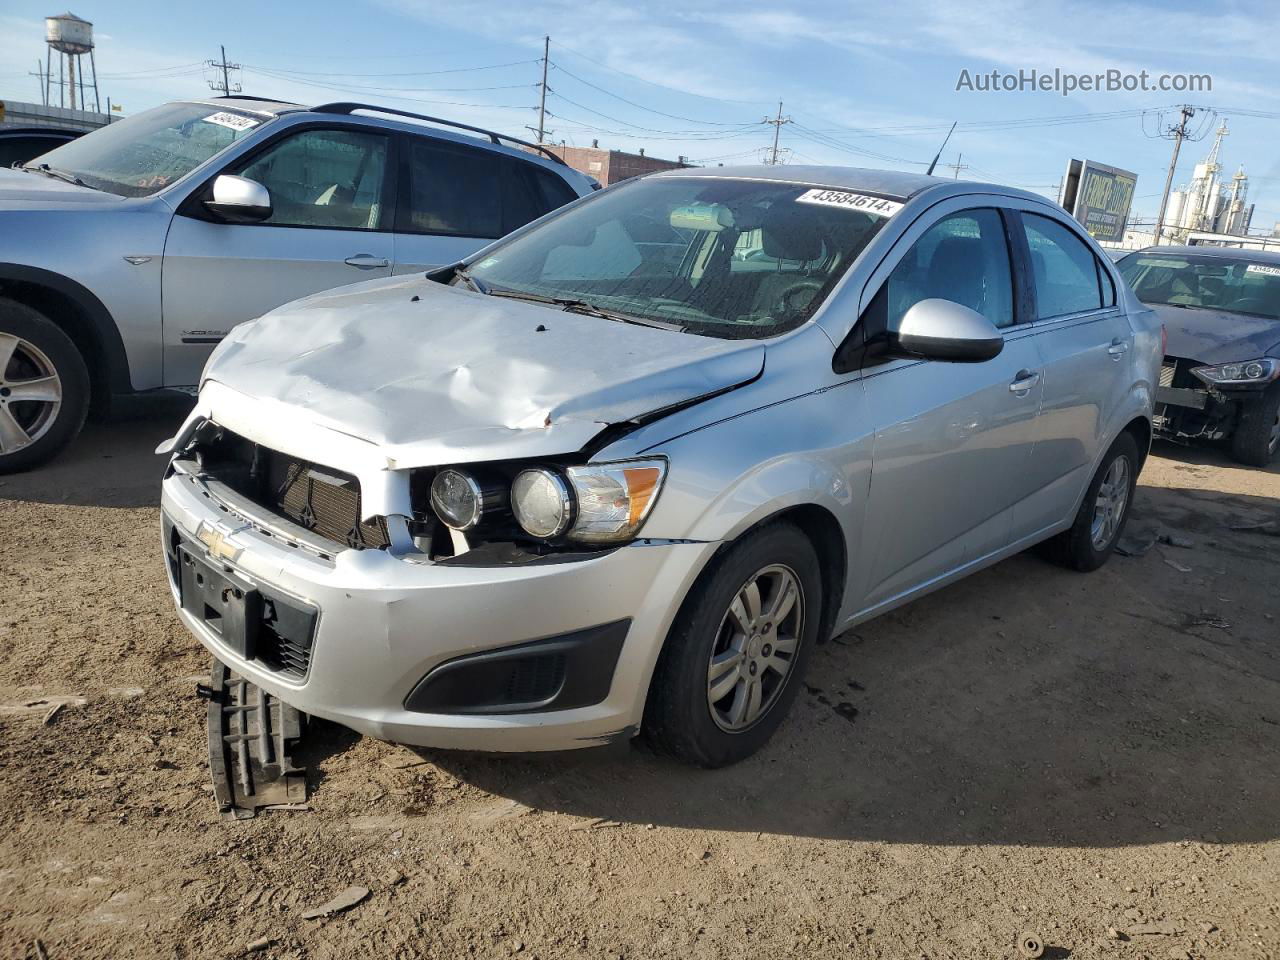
[[867, 84]]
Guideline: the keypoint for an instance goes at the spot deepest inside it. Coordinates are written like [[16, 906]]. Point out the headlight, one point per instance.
[[597, 503], [461, 501], [614, 498], [1246, 372], [542, 503]]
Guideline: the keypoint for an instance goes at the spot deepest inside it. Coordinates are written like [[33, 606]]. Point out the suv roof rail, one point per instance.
[[351, 107]]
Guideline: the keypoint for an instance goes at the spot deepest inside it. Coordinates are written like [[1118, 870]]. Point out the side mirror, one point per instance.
[[944, 330], [239, 200]]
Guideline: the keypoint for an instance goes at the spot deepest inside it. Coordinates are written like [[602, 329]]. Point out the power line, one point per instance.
[[652, 83], [778, 123], [640, 106], [225, 68], [406, 73]]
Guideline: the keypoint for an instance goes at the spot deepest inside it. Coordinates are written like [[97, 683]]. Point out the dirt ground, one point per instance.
[[1093, 757]]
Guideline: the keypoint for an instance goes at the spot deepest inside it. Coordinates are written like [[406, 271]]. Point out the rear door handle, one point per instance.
[[1025, 380], [1118, 348], [366, 261]]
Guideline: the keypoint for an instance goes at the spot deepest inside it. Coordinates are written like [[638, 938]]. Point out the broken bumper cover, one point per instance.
[[384, 624]]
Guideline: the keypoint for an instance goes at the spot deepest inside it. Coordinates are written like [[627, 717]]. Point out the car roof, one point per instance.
[[12, 130], [1223, 253], [260, 105], [893, 183]]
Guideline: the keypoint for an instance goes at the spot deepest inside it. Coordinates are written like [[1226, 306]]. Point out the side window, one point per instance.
[[963, 258], [553, 191], [1108, 286], [454, 189], [324, 178], [1064, 269]]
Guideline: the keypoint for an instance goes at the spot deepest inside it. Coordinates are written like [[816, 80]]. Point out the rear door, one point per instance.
[[458, 198], [333, 196], [952, 440], [1083, 337]]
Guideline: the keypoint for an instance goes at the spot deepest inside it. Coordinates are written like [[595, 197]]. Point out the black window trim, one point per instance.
[[193, 205], [517, 165]]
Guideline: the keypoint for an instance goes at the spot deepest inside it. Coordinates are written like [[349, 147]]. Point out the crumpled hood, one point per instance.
[[21, 190], [1216, 336], [434, 374]]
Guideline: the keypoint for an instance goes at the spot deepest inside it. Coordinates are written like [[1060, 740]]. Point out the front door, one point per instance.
[[952, 440], [330, 225]]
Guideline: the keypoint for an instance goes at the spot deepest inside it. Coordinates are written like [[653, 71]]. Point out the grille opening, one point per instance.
[[318, 498]]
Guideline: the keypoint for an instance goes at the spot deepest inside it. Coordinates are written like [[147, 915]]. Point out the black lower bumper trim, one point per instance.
[[555, 673]]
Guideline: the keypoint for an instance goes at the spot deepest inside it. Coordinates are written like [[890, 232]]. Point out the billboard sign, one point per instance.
[[1099, 197]]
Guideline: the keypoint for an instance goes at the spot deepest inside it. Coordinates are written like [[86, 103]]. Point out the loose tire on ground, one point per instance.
[[44, 388], [680, 717], [1083, 546], [1256, 439]]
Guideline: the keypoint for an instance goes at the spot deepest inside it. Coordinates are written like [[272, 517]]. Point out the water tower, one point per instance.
[[70, 38]]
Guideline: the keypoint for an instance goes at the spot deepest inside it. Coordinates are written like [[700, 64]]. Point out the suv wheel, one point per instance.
[[736, 653], [1088, 543], [44, 388], [1257, 436]]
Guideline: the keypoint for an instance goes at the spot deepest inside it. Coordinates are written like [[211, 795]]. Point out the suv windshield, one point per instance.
[[717, 257], [147, 152], [1214, 283]]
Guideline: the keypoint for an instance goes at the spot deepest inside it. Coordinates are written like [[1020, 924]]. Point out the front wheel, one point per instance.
[[1257, 436], [1088, 542], [737, 650], [44, 388]]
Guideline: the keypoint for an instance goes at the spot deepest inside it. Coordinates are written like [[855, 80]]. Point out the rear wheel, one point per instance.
[[44, 388], [1257, 436], [1088, 543], [736, 653]]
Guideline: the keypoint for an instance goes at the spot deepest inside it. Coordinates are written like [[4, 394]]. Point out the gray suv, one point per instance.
[[126, 255]]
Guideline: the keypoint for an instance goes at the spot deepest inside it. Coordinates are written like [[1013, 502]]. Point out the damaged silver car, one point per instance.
[[624, 469]]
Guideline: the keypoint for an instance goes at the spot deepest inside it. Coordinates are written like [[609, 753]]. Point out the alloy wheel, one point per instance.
[[755, 648], [30, 393], [1109, 505]]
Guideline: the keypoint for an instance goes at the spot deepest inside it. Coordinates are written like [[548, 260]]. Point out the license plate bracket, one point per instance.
[[226, 603]]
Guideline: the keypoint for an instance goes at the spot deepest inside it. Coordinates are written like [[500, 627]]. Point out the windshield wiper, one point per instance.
[[49, 171], [479, 286], [576, 305]]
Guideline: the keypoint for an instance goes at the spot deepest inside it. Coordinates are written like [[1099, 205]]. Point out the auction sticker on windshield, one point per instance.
[[1265, 271], [876, 206], [232, 121]]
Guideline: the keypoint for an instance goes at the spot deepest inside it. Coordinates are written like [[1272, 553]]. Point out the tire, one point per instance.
[[680, 719], [1257, 436], [1082, 546], [38, 358]]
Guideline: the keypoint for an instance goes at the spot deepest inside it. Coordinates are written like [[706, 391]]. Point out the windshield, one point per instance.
[[148, 151], [721, 258], [1214, 283]]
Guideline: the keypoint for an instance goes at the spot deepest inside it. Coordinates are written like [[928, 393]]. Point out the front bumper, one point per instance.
[[383, 623]]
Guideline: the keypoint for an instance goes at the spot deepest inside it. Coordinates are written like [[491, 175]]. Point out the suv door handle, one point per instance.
[[1023, 383], [1118, 348], [366, 261]]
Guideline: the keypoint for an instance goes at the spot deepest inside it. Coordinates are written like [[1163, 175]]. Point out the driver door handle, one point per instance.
[[1118, 348], [366, 261], [1023, 383]]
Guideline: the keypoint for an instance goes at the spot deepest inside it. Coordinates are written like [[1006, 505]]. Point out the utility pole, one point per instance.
[[39, 75], [1178, 134], [226, 69], [777, 123], [542, 87], [957, 166]]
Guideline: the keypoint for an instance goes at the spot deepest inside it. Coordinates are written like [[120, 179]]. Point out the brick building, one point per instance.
[[610, 166]]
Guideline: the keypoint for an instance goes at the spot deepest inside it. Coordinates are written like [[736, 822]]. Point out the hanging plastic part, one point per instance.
[[251, 734]]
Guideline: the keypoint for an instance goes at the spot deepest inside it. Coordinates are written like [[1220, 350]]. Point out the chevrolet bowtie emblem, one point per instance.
[[217, 542]]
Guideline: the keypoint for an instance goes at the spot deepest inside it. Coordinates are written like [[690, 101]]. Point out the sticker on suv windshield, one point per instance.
[[1265, 271], [876, 206], [232, 121]]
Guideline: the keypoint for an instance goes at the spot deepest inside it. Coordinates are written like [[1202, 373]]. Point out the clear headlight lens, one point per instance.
[[457, 499], [542, 502], [1248, 371], [614, 498]]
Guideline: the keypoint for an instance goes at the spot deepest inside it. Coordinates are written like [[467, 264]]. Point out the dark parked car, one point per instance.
[[1221, 373], [20, 144]]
